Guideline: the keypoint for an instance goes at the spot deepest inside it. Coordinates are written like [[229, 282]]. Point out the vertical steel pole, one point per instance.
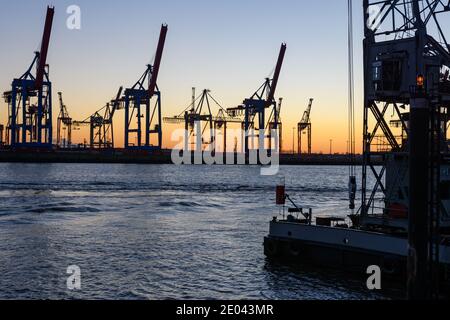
[[147, 121], [418, 199], [49, 119], [127, 115], [24, 113], [160, 142], [13, 115]]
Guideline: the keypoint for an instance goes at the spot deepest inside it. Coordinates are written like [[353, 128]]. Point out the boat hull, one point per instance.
[[346, 248]]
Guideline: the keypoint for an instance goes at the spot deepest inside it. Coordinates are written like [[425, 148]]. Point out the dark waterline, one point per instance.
[[159, 232]]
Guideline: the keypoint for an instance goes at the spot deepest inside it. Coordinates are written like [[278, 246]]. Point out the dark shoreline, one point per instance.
[[121, 156]]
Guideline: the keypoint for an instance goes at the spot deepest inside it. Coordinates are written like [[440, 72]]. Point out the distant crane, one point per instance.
[[101, 134], [30, 100], [305, 127], [199, 119], [256, 105], [94, 122], [102, 124], [137, 105], [64, 121]]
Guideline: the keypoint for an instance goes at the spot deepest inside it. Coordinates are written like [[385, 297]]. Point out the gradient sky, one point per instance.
[[228, 47]]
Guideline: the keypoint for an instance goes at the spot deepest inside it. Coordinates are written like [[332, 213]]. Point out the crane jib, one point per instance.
[[276, 75], [44, 48], [157, 62]]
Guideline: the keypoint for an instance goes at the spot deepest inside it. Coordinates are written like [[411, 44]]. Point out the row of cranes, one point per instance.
[[30, 112], [101, 129], [142, 118], [29, 102], [258, 117]]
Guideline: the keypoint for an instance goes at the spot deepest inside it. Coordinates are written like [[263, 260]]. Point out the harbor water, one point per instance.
[[160, 232]]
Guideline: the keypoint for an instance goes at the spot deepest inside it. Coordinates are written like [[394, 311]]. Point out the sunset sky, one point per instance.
[[228, 47]]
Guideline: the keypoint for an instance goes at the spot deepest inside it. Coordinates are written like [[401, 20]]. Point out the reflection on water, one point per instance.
[[159, 232]]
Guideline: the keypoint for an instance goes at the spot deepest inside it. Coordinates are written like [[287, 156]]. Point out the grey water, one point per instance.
[[160, 232]]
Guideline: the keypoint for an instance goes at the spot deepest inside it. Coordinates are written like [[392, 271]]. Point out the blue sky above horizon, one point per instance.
[[228, 47]]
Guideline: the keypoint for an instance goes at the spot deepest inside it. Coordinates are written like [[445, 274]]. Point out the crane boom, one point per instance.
[[307, 113], [63, 112], [157, 62], [44, 48], [276, 75], [116, 102], [61, 103]]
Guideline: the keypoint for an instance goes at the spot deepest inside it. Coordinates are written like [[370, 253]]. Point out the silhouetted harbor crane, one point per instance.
[[30, 100], [137, 104], [202, 122], [305, 126], [101, 126], [254, 108]]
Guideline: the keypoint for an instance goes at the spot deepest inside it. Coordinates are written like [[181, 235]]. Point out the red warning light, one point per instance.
[[420, 81]]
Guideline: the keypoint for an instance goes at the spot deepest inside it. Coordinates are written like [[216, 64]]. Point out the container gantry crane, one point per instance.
[[101, 128], [64, 123], [139, 97], [198, 119], [257, 104], [30, 100], [305, 127], [95, 123]]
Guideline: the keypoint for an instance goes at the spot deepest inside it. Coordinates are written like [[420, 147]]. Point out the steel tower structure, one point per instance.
[[137, 101], [255, 107], [200, 123], [30, 100], [406, 67], [101, 128]]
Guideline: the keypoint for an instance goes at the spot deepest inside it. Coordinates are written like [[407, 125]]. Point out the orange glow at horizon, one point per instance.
[[324, 128], [88, 65]]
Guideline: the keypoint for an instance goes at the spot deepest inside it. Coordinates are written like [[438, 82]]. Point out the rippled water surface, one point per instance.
[[159, 232]]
